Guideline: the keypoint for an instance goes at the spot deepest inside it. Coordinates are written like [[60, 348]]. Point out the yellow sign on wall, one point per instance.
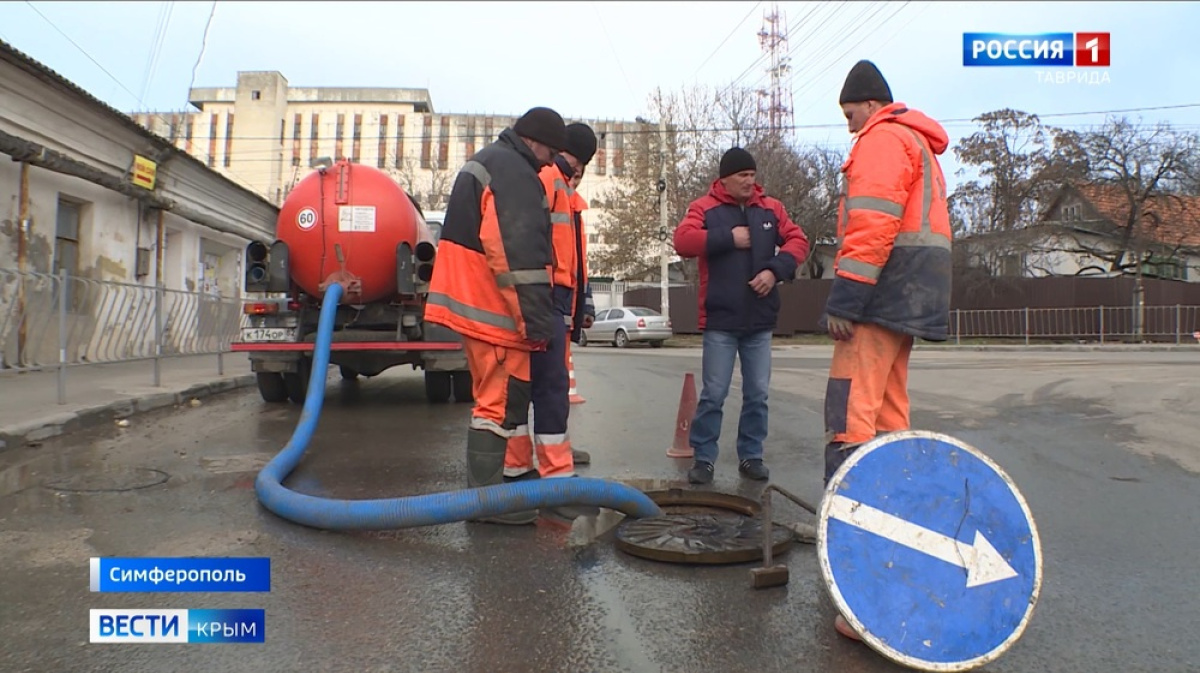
[[144, 172]]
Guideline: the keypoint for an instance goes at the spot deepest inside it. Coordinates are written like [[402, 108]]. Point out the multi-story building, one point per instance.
[[265, 135]]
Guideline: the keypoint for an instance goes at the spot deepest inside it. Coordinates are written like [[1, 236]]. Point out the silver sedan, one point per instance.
[[621, 325]]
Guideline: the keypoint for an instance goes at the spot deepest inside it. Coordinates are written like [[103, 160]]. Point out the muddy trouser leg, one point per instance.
[[501, 387], [867, 391]]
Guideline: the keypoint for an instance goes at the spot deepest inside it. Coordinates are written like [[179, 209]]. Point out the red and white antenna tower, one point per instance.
[[775, 108]]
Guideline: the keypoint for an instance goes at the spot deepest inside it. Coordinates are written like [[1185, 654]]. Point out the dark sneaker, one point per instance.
[[754, 469], [701, 472], [581, 457]]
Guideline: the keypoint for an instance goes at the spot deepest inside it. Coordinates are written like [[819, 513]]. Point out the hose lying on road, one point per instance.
[[421, 510]]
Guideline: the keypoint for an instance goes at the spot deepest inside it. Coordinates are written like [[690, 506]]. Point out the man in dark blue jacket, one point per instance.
[[746, 244]]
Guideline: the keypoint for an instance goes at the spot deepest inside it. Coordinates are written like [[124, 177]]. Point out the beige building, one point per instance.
[[265, 135]]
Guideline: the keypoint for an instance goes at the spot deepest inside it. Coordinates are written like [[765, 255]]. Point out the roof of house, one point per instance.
[[22, 60], [1167, 218]]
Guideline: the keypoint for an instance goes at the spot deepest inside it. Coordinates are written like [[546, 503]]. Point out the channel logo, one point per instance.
[[178, 626], [1078, 50]]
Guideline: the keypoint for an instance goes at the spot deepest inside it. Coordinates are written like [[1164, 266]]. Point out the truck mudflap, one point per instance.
[[444, 360]]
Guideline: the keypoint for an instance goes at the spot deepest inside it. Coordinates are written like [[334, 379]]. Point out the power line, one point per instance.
[[650, 129], [203, 45], [81, 50], [852, 47], [735, 29]]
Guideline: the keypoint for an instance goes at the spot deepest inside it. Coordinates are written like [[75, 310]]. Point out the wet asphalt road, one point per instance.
[[1103, 446]]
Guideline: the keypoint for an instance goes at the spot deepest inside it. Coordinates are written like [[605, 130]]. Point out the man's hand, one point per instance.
[[538, 345], [763, 282], [588, 320], [839, 328], [741, 237]]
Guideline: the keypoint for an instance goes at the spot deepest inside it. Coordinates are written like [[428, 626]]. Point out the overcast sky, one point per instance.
[[507, 57]]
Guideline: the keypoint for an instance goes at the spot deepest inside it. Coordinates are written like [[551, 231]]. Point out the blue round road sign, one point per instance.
[[929, 551]]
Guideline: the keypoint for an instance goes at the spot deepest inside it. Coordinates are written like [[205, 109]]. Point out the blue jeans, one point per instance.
[[720, 348]]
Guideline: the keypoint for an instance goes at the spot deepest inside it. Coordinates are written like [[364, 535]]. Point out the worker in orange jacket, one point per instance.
[[492, 284], [892, 270], [548, 369]]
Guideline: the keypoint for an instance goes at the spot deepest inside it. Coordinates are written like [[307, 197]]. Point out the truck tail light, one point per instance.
[[260, 308]]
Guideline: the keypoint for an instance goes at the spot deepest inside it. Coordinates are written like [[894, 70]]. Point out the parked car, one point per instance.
[[622, 325]]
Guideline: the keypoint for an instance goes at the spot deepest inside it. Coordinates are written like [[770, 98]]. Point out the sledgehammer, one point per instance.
[[772, 575]]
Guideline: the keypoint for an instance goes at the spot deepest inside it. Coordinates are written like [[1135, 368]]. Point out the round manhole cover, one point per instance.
[[109, 481], [700, 527]]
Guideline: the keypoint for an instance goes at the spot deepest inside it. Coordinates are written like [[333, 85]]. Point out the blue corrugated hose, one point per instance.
[[420, 510]]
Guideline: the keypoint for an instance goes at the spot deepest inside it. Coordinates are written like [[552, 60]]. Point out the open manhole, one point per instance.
[[109, 481], [700, 527]]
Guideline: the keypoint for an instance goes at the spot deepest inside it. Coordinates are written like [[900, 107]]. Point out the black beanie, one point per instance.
[[581, 142], [865, 83], [736, 160], [543, 125]]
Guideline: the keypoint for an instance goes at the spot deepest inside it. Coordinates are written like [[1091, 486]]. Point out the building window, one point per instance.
[[314, 139], [618, 160], [383, 130], [296, 123], [228, 138], [187, 130], [1012, 265], [427, 143], [593, 239], [337, 135], [469, 140], [399, 141], [601, 158], [282, 131], [444, 145], [212, 140], [255, 95], [356, 148], [1070, 213], [1167, 268]]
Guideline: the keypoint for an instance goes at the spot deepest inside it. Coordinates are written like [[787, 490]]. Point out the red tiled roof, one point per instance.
[[1167, 219]]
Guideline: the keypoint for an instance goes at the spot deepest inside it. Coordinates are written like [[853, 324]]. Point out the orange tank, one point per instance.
[[344, 224]]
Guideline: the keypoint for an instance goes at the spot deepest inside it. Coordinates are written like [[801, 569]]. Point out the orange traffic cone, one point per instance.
[[573, 393], [681, 448]]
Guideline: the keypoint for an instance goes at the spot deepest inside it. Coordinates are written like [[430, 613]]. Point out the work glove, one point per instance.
[[839, 328]]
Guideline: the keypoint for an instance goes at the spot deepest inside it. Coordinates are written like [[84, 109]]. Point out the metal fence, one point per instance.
[[1103, 324], [58, 321]]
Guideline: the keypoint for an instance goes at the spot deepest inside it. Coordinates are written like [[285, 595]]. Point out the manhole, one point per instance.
[[110, 481], [700, 527]]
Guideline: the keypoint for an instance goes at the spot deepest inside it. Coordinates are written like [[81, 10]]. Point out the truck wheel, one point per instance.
[[271, 387], [438, 387], [348, 373], [297, 382], [462, 387]]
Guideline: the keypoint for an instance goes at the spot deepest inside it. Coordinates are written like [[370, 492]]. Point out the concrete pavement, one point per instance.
[[1101, 444], [103, 393]]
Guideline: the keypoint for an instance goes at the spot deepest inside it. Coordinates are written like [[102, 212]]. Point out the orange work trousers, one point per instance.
[[501, 386], [867, 392]]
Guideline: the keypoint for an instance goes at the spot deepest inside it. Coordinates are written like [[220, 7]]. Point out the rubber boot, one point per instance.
[[581, 457], [485, 467]]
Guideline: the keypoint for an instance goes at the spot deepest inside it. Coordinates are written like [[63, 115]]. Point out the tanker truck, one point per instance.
[[351, 224]]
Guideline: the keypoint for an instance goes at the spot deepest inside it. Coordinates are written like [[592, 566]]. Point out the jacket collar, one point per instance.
[[509, 137], [717, 191]]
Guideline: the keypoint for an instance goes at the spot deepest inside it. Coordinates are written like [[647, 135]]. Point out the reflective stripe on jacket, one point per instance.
[[491, 280], [893, 265]]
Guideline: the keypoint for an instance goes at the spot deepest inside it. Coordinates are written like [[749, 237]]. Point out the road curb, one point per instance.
[[65, 422]]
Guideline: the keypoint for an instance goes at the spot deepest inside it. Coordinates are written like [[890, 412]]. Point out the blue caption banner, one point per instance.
[[162, 575], [1008, 49], [139, 626]]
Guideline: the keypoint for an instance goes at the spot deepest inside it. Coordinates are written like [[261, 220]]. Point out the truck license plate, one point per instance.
[[263, 334]]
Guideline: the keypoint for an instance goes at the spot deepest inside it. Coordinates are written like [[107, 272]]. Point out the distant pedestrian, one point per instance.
[[746, 245]]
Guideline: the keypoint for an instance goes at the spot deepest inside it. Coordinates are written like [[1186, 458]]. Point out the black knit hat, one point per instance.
[[543, 125], [736, 160], [865, 83], [581, 142]]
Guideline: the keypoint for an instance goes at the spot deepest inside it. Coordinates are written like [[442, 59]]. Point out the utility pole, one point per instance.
[[662, 215]]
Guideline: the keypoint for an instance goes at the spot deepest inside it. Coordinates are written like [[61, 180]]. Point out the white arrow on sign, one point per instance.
[[982, 562]]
